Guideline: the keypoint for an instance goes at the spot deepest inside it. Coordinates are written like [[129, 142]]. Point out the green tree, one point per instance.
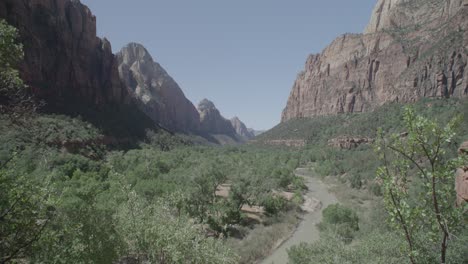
[[82, 230], [157, 233], [203, 196], [11, 53], [417, 182], [14, 98], [25, 212]]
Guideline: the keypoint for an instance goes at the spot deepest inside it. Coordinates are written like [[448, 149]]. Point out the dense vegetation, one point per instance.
[[416, 178], [357, 167], [97, 205], [353, 171]]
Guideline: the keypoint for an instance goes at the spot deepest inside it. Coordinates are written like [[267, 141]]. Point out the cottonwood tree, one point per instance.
[[417, 181]]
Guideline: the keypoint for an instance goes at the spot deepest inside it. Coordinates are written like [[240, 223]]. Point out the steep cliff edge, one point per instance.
[[156, 93], [411, 49], [76, 73], [63, 56], [211, 120]]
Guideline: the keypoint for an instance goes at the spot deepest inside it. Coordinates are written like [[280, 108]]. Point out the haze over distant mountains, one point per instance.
[[65, 62]]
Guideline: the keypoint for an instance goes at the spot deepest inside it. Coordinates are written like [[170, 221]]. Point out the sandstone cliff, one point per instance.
[[75, 72], [63, 56], [211, 120], [156, 93], [241, 129], [410, 49]]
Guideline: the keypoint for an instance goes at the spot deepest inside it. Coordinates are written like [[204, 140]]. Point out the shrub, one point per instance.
[[341, 220], [273, 204]]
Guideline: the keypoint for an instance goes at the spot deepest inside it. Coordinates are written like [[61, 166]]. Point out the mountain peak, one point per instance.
[[206, 104], [241, 128], [156, 93], [134, 52]]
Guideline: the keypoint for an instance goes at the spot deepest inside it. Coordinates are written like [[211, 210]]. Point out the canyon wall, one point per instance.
[[156, 93], [63, 56], [411, 49], [75, 71]]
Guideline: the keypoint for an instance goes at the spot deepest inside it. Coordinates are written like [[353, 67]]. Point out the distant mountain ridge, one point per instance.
[[410, 50], [211, 120], [241, 129]]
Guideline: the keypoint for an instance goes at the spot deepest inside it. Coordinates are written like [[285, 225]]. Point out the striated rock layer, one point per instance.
[[63, 56], [156, 93], [411, 49]]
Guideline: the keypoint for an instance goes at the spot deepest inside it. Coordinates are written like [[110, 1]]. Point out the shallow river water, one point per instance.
[[307, 230]]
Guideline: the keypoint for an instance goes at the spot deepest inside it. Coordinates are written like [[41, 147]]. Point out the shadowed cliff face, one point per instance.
[[410, 49], [156, 93], [63, 56], [212, 121]]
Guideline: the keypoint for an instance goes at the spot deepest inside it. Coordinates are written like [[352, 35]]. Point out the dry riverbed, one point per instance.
[[318, 197]]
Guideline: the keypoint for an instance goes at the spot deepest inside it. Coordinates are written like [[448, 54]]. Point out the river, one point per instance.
[[307, 230]]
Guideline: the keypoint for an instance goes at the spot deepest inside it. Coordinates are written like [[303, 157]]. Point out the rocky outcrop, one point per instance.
[[347, 142], [461, 182], [156, 93], [411, 49], [241, 129], [211, 120], [63, 56], [297, 143]]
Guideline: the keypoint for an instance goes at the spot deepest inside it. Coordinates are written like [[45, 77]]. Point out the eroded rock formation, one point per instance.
[[63, 56], [156, 93], [410, 49], [241, 129], [347, 142], [211, 120]]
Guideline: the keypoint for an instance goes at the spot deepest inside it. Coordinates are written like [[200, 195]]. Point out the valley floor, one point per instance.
[[307, 231]]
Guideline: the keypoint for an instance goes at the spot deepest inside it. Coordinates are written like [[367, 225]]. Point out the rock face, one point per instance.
[[461, 182], [346, 142], [70, 67], [297, 143], [63, 56], [411, 49], [241, 129], [211, 120], [156, 93]]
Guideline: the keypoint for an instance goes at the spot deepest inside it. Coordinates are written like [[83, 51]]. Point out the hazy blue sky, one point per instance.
[[243, 55]]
